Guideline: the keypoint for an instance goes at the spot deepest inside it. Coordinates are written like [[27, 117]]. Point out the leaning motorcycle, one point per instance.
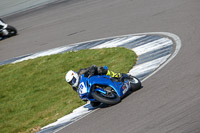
[[6, 30], [105, 89]]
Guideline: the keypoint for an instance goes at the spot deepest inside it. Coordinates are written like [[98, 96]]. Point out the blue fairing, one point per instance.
[[87, 83], [106, 80]]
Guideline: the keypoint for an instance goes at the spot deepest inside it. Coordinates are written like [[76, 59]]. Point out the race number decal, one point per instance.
[[82, 88]]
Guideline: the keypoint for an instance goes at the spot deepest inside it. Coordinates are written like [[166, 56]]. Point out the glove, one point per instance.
[[92, 71], [101, 71]]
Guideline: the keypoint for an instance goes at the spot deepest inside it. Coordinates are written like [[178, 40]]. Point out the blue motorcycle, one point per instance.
[[105, 89]]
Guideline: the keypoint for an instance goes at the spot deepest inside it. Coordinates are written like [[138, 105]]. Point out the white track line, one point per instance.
[[45, 53], [177, 42], [116, 42], [148, 66], [155, 45]]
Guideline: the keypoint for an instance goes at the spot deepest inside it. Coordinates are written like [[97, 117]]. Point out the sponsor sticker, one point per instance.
[[125, 88]]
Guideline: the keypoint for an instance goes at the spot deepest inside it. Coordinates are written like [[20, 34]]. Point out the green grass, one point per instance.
[[34, 93]]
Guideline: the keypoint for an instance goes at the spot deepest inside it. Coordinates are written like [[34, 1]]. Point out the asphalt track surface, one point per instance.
[[170, 99]]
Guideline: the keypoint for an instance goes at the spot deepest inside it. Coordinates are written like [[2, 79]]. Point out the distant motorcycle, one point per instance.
[[105, 89], [6, 30]]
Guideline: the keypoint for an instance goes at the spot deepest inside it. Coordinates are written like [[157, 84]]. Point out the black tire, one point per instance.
[[12, 31], [111, 101], [136, 85]]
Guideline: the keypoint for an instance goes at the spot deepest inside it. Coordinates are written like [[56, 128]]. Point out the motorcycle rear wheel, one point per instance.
[[135, 84]]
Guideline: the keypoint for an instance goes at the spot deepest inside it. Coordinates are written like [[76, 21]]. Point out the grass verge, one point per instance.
[[34, 93]]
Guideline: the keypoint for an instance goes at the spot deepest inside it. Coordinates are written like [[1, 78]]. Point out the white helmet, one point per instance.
[[72, 78]]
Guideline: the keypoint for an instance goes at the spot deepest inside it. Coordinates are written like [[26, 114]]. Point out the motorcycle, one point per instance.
[[105, 89], [6, 30]]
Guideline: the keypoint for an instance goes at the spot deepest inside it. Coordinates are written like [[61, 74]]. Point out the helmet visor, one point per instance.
[[73, 81]]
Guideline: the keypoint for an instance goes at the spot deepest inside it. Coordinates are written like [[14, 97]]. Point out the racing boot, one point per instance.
[[112, 74]]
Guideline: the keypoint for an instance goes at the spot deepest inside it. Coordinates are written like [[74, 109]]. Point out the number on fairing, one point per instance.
[[82, 88]]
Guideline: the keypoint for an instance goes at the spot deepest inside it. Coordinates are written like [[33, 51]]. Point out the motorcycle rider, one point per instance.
[[2, 25], [6, 30], [73, 77]]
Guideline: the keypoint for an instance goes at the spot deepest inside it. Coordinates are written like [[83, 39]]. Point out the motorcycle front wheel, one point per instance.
[[111, 100], [12, 31]]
